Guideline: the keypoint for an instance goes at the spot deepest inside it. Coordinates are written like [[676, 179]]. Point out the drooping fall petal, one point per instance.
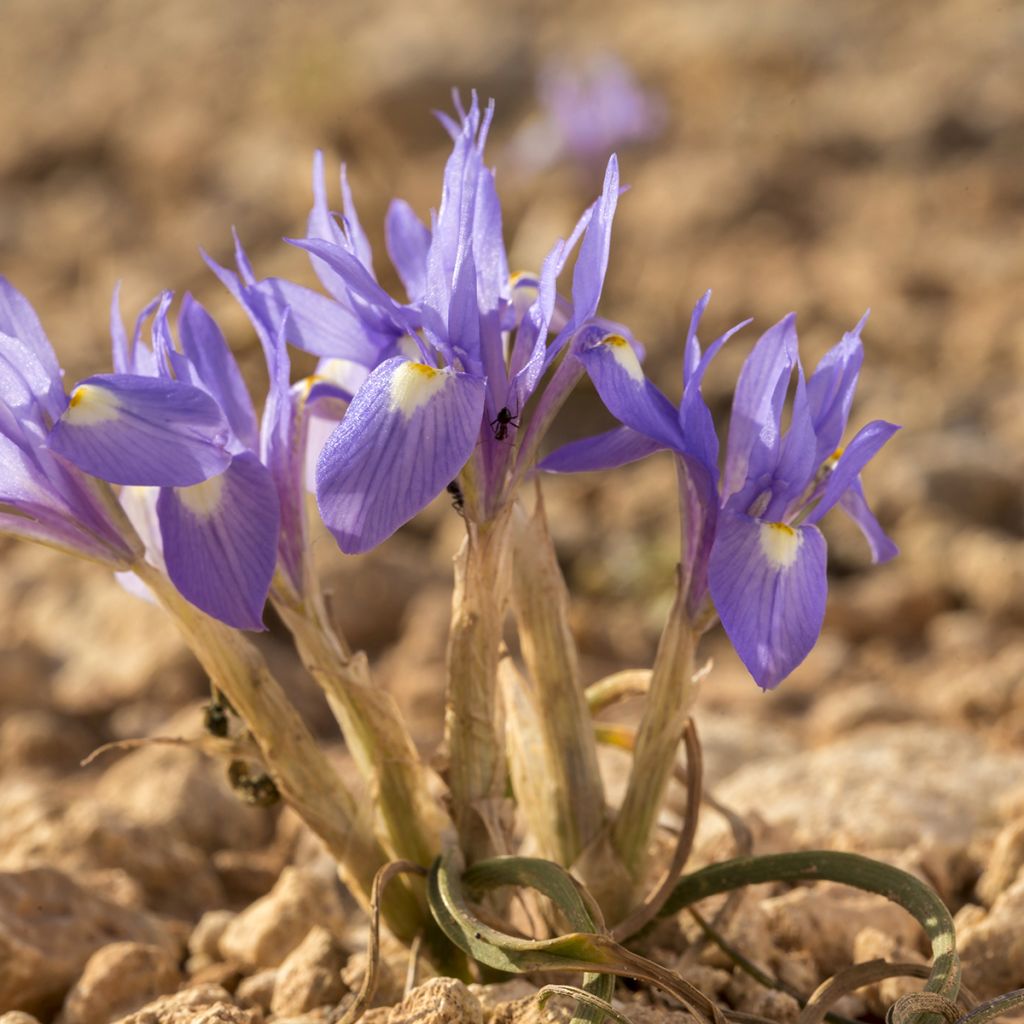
[[767, 581], [406, 435]]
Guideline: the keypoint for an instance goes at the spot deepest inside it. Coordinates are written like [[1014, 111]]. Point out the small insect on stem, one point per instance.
[[258, 790], [500, 424], [458, 498], [215, 718]]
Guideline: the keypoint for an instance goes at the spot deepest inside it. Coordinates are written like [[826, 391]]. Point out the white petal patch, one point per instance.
[[203, 499], [413, 385], [90, 404], [624, 355], [780, 544]]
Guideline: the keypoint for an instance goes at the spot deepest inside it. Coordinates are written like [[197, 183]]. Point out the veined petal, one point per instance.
[[27, 391], [142, 430], [592, 262], [756, 422], [380, 311], [316, 324], [768, 584], [857, 454], [18, 320], [797, 464], [321, 224], [407, 241], [406, 435], [205, 347], [356, 235], [830, 389], [220, 541], [855, 504], [605, 451], [695, 419], [631, 398]]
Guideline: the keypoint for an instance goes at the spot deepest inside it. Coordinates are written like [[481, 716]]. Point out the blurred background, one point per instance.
[[825, 158]]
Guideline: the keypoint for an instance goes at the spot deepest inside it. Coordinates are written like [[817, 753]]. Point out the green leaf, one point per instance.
[[849, 869], [589, 950]]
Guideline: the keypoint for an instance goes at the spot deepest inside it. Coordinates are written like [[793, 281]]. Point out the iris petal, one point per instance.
[[408, 241], [406, 435], [855, 504], [631, 398], [204, 345], [756, 423], [142, 430], [605, 451], [768, 584], [831, 386], [220, 541], [857, 454], [592, 262]]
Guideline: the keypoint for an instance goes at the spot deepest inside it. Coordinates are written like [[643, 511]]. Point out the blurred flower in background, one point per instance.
[[588, 109]]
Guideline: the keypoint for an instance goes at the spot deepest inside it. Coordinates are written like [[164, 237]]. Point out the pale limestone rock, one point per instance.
[[257, 990], [391, 971], [118, 979], [1004, 863], [883, 788], [203, 1004], [310, 976], [875, 944], [992, 946], [490, 997], [50, 926], [206, 936], [438, 1001], [185, 791], [827, 918], [87, 837], [265, 932]]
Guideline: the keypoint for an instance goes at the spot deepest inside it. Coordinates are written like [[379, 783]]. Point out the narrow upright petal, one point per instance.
[[408, 242], [830, 389], [756, 425], [18, 320], [142, 430], [406, 435], [206, 348], [592, 263], [768, 584], [220, 541]]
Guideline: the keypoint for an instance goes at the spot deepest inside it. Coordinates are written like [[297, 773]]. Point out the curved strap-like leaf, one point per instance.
[[914, 896], [580, 951]]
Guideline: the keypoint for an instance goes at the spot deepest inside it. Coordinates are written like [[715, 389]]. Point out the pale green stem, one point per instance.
[[670, 700], [303, 775], [374, 732], [566, 765], [474, 731]]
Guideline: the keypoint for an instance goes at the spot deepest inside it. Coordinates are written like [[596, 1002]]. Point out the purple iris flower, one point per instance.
[[42, 498], [181, 420], [449, 373], [751, 541], [595, 107]]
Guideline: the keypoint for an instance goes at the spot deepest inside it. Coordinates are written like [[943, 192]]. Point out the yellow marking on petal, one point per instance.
[[203, 499], [90, 404], [780, 544], [624, 356], [413, 385]]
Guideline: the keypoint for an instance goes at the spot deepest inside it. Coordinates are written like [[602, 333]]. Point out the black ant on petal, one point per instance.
[[500, 424]]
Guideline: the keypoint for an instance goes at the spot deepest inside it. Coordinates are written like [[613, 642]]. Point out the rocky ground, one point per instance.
[[824, 158]]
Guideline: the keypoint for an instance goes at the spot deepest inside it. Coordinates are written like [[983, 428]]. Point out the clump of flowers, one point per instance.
[[163, 471]]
